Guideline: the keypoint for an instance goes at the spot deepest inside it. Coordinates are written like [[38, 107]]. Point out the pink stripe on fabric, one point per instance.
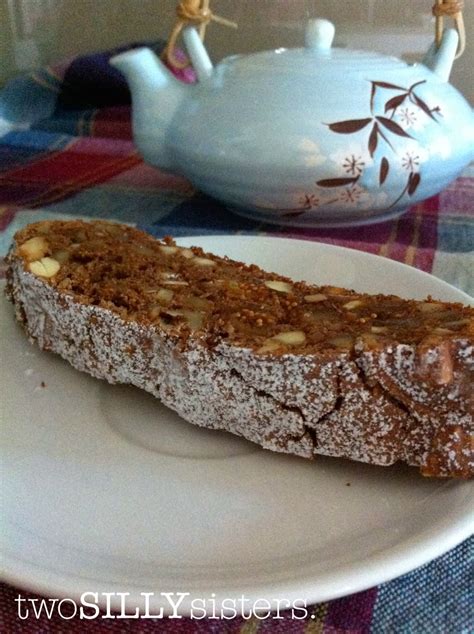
[[428, 238], [458, 198], [343, 613], [282, 625]]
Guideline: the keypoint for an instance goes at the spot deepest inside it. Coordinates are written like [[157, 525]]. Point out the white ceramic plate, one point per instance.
[[104, 489]]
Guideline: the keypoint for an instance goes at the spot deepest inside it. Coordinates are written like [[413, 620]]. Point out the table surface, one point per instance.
[[66, 152]]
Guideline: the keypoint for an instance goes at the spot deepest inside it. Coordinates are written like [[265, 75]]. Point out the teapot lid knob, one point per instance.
[[319, 35]]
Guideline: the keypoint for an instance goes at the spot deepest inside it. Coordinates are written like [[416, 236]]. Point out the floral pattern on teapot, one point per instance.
[[383, 128]]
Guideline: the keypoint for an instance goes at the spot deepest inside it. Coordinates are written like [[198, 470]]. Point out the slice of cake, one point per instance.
[[295, 368]]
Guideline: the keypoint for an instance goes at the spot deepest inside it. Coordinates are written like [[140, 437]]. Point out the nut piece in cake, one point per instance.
[[315, 298], [278, 285], [203, 262], [45, 267], [34, 248], [288, 338]]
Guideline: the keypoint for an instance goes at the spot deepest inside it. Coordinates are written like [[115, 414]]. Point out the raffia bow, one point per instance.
[[195, 13], [452, 9]]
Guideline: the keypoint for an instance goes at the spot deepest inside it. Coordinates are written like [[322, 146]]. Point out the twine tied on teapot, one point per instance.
[[195, 13], [452, 9]]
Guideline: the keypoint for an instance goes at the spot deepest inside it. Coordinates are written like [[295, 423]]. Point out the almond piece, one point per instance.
[[34, 248], [283, 339], [203, 262], [45, 267], [314, 299], [443, 331], [167, 249], [270, 345], [428, 307], [379, 330], [278, 285], [186, 253], [335, 290], [194, 319], [355, 303], [175, 283], [112, 228], [291, 337], [169, 275], [455, 324], [164, 296]]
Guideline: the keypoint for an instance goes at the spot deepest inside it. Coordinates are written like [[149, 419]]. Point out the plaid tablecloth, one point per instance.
[[66, 152]]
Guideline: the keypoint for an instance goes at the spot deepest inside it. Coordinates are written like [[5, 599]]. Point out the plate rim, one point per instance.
[[348, 579], [342, 583]]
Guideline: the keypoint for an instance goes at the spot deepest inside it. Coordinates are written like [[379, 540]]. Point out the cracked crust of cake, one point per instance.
[[295, 368]]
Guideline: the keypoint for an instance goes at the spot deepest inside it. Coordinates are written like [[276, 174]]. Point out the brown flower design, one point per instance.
[[309, 201], [382, 129], [351, 194], [353, 165], [410, 161]]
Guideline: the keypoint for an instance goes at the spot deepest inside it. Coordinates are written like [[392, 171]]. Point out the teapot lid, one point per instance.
[[318, 50]]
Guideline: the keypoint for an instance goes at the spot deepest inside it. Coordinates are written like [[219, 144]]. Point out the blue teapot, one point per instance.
[[315, 136]]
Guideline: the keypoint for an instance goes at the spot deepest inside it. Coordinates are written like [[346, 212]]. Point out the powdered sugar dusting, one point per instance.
[[373, 408]]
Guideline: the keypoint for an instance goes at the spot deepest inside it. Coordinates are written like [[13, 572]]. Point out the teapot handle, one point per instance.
[[198, 54], [453, 9], [440, 59]]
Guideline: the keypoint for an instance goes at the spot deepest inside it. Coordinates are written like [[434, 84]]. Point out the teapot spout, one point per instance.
[[156, 95], [440, 59]]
